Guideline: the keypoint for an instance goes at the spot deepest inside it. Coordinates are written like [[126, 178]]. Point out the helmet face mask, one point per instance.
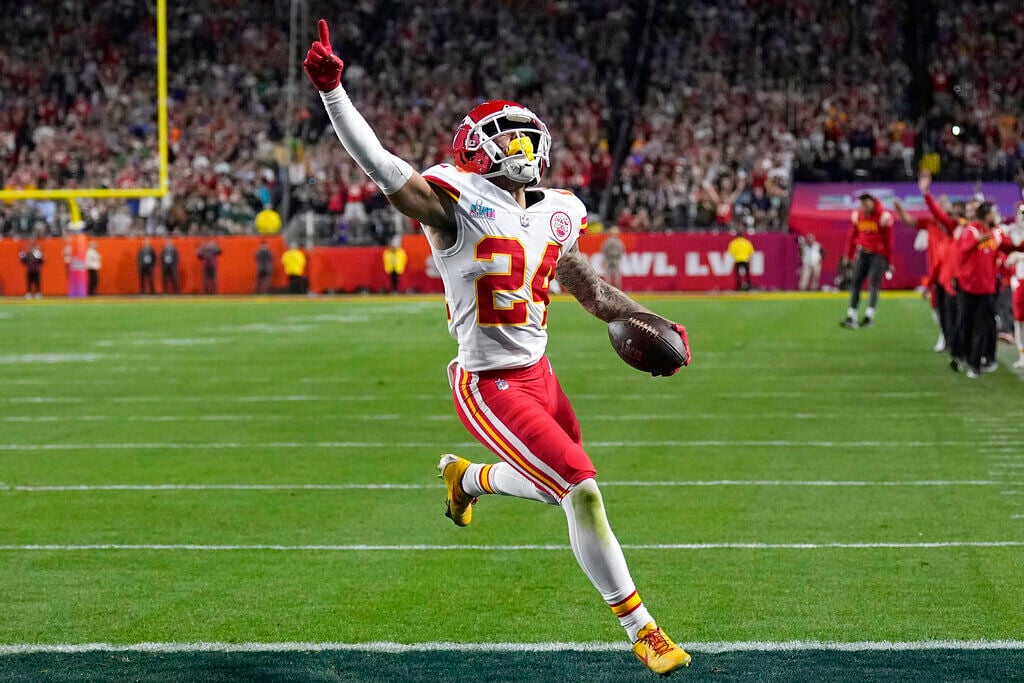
[[501, 138]]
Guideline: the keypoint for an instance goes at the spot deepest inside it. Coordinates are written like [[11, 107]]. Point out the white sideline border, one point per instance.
[[408, 487], [597, 646], [670, 443], [433, 547]]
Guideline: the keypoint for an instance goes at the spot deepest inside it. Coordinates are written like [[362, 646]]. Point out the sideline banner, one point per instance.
[[654, 262], [825, 209], [119, 274], [824, 205]]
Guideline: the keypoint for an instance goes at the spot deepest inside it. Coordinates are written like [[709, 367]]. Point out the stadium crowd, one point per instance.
[[687, 115]]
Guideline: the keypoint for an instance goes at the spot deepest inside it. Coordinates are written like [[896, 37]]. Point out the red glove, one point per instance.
[[323, 66], [686, 346]]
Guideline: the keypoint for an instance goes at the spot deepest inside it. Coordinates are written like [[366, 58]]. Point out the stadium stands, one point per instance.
[[665, 116]]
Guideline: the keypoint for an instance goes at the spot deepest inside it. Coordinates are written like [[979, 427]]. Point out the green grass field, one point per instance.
[[262, 471]]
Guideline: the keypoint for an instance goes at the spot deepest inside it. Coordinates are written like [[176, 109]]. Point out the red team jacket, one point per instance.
[[938, 246], [871, 232], [979, 263], [950, 265]]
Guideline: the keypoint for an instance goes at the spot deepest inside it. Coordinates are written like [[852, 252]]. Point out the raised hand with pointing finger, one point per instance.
[[321, 64]]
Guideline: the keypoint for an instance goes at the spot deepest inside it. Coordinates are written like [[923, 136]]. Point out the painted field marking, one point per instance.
[[207, 418], [714, 647], [499, 548], [801, 394], [369, 417], [465, 444], [407, 487], [49, 358], [200, 399], [201, 418]]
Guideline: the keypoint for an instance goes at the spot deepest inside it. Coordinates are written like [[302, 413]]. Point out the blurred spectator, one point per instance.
[[32, 258], [294, 262], [741, 250], [145, 263], [170, 280], [612, 250], [811, 254], [395, 260], [93, 263], [264, 268], [208, 255]]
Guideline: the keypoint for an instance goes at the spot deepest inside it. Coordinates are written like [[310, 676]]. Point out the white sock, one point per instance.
[[1018, 332], [851, 313], [869, 313], [600, 556], [502, 479]]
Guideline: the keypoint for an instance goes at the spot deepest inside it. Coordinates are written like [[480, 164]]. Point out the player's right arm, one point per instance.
[[599, 298], [924, 183], [903, 214], [406, 189]]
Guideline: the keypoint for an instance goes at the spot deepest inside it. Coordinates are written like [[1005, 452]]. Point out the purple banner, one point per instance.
[[831, 201]]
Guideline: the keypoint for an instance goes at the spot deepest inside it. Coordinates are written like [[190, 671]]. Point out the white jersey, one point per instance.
[[1015, 232], [497, 274]]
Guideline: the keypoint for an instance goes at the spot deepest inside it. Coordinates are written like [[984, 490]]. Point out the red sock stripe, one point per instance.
[[484, 479], [626, 606]]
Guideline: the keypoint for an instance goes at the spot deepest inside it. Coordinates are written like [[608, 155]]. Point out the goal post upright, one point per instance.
[[71, 194]]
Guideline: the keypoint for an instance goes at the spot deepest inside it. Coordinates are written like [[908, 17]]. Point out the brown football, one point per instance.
[[647, 342]]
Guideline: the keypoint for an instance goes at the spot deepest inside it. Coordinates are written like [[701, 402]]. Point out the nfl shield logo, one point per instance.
[[501, 384], [524, 221]]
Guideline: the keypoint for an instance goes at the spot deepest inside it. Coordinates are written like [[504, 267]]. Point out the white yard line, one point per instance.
[[228, 445], [671, 443], [498, 548], [208, 418], [596, 646], [405, 487]]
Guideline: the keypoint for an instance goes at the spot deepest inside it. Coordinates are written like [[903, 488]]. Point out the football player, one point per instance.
[[498, 243], [870, 242]]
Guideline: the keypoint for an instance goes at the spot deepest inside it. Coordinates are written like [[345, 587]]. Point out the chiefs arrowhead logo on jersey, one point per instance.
[[561, 226]]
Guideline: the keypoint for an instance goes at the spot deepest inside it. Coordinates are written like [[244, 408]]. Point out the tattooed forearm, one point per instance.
[[597, 296]]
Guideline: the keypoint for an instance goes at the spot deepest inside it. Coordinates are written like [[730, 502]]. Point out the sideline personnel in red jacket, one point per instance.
[[976, 250], [871, 242]]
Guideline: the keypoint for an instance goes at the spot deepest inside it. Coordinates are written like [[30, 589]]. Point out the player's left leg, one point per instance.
[[876, 270], [938, 302], [600, 556], [1017, 303], [860, 273], [532, 427]]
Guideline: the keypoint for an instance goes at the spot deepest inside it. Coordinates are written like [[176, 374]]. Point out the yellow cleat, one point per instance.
[[658, 652], [459, 506]]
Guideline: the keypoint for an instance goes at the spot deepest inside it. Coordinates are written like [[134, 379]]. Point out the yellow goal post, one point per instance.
[[72, 194]]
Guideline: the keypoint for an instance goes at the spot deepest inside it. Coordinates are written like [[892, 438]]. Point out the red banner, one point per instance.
[[654, 262]]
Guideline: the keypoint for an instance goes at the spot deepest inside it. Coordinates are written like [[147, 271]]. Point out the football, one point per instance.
[[648, 343]]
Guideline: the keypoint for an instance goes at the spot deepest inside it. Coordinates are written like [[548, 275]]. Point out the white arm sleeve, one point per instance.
[[385, 169]]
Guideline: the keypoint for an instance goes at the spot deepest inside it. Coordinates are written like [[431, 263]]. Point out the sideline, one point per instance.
[[441, 646]]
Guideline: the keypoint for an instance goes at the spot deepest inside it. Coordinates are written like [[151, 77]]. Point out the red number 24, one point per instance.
[[489, 285]]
